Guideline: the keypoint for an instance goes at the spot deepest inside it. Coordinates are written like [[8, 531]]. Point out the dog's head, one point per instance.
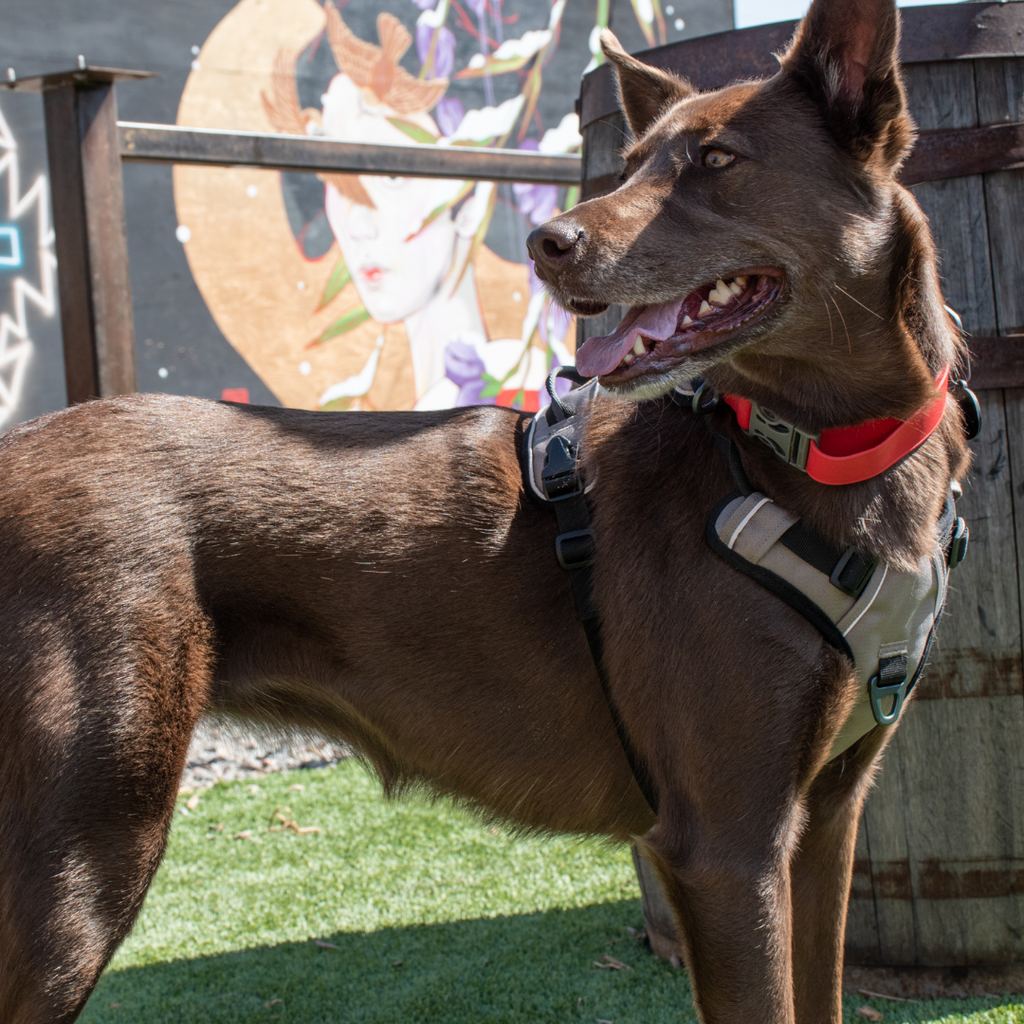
[[759, 235]]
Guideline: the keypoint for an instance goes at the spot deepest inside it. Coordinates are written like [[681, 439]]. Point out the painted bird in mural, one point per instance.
[[376, 68]]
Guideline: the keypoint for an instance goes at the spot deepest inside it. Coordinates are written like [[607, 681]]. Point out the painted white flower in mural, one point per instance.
[[515, 49], [16, 218], [487, 123], [563, 139]]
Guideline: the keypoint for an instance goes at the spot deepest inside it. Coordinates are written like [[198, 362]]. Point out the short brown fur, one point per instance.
[[381, 578]]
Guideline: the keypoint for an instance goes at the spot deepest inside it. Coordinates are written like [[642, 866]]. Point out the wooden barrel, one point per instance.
[[939, 875]]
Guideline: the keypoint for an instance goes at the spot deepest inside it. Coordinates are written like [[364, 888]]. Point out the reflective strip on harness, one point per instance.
[[895, 611]]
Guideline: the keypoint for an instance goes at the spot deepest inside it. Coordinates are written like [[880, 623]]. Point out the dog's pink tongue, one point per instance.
[[598, 356]]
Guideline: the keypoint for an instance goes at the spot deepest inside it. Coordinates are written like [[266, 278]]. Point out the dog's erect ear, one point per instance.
[[644, 92], [846, 55]]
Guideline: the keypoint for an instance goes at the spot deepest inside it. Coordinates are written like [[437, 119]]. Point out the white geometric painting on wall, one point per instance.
[[27, 269]]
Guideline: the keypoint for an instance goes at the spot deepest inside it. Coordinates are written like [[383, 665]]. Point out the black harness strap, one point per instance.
[[848, 571], [575, 548]]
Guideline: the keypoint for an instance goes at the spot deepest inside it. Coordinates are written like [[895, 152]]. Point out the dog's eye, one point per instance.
[[718, 158]]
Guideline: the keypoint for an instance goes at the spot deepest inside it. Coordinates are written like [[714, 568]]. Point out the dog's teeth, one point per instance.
[[687, 320], [741, 281], [735, 288], [628, 359], [704, 308], [722, 287], [638, 347]]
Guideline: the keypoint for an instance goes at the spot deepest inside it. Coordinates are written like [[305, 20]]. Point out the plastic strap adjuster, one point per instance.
[[851, 573], [575, 549], [957, 549]]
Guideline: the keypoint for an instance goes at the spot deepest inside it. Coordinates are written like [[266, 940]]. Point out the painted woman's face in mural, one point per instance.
[[396, 266], [395, 274]]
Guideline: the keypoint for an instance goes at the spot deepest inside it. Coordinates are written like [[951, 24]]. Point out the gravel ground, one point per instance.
[[226, 751]]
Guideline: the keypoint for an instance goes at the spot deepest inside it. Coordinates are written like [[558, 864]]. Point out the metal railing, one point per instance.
[[161, 143]]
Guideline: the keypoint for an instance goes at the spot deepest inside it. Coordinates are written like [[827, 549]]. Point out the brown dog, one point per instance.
[[382, 578]]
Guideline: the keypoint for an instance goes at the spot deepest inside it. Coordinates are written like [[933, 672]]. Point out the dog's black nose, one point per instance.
[[553, 241]]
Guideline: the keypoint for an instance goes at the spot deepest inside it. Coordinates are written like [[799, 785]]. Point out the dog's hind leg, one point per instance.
[[821, 874], [94, 729]]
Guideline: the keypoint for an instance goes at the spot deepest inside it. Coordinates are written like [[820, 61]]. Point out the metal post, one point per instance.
[[88, 217]]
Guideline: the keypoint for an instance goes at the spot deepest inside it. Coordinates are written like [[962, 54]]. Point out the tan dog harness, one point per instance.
[[885, 626]]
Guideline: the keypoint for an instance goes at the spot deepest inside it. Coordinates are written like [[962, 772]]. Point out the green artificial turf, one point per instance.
[[428, 916]]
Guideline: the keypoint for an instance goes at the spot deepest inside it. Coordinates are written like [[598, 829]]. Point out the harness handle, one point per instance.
[[563, 373]]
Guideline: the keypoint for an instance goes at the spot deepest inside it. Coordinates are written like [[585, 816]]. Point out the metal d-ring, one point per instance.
[[695, 404]]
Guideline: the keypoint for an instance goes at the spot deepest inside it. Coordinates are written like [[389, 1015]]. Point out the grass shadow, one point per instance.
[[535, 967]]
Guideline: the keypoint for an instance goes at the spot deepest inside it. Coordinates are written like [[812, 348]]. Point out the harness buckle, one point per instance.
[[575, 549], [561, 478], [788, 441], [890, 681]]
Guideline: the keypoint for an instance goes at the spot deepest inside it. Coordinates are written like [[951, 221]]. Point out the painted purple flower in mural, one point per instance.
[[554, 321], [537, 202], [477, 7], [449, 113], [425, 5], [464, 368], [436, 48]]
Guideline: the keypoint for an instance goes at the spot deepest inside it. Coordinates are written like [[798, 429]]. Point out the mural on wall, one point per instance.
[[358, 292], [27, 270]]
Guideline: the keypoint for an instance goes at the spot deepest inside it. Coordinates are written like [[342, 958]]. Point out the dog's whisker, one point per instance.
[[859, 303], [849, 343]]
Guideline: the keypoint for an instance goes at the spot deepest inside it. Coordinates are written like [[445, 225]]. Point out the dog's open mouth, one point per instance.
[[652, 339]]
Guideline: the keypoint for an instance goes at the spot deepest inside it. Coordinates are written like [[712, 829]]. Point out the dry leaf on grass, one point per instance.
[[193, 801], [599, 1020], [397, 963], [611, 964], [298, 787], [246, 834], [282, 814], [325, 945], [869, 1013], [219, 827], [273, 1002]]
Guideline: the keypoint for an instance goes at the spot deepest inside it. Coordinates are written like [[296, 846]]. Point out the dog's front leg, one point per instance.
[[729, 886], [821, 873]]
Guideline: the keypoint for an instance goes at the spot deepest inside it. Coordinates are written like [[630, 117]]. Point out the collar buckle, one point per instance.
[[789, 442]]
